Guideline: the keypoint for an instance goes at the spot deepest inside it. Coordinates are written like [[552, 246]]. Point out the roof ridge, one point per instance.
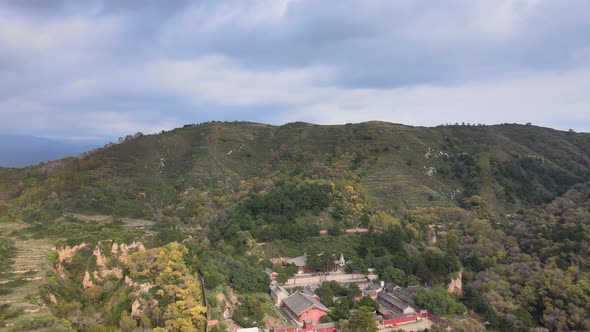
[[300, 302]]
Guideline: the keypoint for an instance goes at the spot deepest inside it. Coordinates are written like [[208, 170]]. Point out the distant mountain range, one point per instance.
[[20, 151]]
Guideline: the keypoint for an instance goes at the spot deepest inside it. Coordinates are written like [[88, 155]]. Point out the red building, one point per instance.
[[302, 307], [271, 274], [398, 319]]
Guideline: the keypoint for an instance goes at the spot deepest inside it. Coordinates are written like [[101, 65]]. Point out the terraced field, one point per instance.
[[19, 283], [392, 183]]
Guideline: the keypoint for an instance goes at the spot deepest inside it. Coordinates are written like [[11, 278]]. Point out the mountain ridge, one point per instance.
[[392, 160]]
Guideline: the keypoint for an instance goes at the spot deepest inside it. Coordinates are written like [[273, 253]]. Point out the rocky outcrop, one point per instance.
[[66, 253], [136, 310], [137, 307], [456, 284], [101, 263], [87, 282], [107, 263], [141, 288], [124, 249]]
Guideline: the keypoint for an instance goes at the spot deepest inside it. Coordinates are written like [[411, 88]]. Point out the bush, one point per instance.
[[249, 279], [439, 302], [250, 312], [33, 323]]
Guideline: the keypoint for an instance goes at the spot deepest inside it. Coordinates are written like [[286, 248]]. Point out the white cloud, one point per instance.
[[112, 72], [217, 80], [304, 94], [542, 98], [27, 37]]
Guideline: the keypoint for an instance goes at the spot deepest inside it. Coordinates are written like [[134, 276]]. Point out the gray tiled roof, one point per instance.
[[284, 327], [375, 287], [298, 303], [392, 300], [308, 291], [383, 309], [324, 325], [396, 315], [277, 289], [406, 293], [298, 261]]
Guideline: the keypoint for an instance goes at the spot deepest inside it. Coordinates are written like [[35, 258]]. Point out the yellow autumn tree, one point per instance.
[[166, 268], [382, 220]]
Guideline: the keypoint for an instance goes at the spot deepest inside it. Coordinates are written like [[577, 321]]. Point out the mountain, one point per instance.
[[503, 208], [20, 151], [399, 166]]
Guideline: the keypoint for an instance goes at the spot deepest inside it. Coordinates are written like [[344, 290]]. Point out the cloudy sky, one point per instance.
[[101, 69]]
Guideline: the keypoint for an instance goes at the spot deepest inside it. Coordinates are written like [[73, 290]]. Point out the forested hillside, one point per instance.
[[505, 206]]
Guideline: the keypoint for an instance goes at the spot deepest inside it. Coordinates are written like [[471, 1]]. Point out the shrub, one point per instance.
[[33, 323]]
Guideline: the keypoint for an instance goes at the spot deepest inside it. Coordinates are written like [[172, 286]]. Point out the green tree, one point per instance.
[[249, 279], [127, 323], [284, 272], [53, 258], [250, 313], [439, 301], [321, 262], [341, 309], [362, 320], [392, 274], [369, 303], [326, 294]]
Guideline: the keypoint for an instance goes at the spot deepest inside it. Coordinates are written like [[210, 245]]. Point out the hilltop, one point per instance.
[[400, 167]]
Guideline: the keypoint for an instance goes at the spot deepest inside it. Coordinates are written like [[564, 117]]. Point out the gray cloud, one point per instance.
[[107, 68]]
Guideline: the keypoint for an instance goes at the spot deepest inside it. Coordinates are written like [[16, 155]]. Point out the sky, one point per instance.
[[100, 69]]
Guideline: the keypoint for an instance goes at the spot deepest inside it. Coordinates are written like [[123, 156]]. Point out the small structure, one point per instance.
[[340, 263], [278, 294], [369, 290], [373, 290], [301, 307], [301, 263], [271, 273]]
